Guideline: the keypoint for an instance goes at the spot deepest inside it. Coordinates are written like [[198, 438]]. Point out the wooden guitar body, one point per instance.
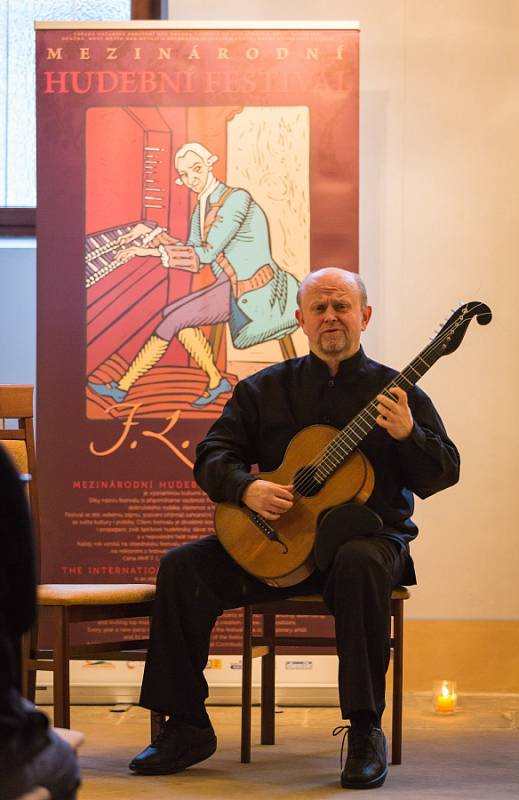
[[288, 559]]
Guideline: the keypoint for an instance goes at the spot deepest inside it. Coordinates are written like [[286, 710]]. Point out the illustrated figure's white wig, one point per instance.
[[199, 150]]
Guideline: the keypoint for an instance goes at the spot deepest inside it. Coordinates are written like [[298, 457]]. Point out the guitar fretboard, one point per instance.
[[349, 438]]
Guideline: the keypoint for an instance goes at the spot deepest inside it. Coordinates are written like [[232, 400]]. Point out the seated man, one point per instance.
[[230, 233], [409, 451]]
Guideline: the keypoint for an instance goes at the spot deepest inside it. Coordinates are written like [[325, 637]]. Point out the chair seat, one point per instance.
[[71, 594], [398, 593]]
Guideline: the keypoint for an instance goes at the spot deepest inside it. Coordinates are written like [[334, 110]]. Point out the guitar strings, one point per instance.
[[334, 450], [344, 443], [306, 478]]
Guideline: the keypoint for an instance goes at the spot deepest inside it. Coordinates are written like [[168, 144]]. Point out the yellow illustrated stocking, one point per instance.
[[199, 349], [151, 352]]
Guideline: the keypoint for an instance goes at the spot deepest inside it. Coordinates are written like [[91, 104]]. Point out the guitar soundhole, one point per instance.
[[306, 483]]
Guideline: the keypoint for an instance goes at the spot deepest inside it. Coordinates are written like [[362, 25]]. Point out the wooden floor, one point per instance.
[[473, 755]]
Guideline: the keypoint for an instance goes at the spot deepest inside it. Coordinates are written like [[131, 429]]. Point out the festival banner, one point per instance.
[[189, 176]]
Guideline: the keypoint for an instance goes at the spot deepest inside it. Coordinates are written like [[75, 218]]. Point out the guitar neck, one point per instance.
[[349, 438], [446, 341]]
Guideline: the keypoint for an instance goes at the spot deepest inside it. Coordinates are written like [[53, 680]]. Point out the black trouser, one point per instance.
[[198, 581]]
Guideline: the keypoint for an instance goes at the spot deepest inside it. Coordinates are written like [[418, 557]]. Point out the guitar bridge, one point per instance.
[[267, 530]]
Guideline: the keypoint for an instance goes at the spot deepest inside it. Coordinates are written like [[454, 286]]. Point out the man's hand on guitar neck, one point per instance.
[[269, 499], [395, 415]]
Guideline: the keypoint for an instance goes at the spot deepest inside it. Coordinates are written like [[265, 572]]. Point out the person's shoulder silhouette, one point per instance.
[[31, 754]]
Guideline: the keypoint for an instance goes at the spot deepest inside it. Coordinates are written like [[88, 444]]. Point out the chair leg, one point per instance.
[[157, 722], [28, 672], [216, 337], [268, 683], [246, 687], [61, 653], [287, 347], [398, 676]]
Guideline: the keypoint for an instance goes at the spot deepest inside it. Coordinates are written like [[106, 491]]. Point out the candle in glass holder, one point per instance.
[[445, 698]]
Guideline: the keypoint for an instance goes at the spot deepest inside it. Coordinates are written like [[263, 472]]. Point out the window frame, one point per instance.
[[16, 221]]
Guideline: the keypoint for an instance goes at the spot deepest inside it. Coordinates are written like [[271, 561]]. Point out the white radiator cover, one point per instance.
[[300, 680]]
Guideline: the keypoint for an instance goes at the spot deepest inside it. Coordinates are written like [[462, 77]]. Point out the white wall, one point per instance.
[[17, 310], [439, 224]]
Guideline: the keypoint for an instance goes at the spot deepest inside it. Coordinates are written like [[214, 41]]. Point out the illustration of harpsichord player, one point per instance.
[[229, 231]]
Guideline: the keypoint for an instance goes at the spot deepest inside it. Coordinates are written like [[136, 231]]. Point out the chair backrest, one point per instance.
[[17, 438]]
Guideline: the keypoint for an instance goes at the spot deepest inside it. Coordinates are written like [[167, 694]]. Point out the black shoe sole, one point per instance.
[[201, 755], [374, 784]]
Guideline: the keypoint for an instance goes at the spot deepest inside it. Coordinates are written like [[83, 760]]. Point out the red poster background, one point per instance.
[[117, 488]]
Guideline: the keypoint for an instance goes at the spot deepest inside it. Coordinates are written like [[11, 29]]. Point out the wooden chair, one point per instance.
[[265, 645], [64, 604], [216, 335]]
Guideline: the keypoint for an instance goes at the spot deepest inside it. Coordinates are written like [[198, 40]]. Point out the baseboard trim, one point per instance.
[[218, 695], [301, 696]]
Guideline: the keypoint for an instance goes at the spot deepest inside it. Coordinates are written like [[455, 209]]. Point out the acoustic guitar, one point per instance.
[[326, 469]]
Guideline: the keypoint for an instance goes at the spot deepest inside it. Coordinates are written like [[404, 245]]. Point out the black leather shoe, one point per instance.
[[176, 747], [366, 764]]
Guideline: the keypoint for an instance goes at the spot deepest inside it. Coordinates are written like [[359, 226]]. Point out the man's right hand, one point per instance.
[[269, 499], [138, 230], [184, 257]]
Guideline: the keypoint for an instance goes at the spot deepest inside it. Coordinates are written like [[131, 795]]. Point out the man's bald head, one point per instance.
[[319, 278], [333, 312]]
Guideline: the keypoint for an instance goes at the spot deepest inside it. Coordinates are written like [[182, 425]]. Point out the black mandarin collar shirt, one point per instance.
[[269, 408]]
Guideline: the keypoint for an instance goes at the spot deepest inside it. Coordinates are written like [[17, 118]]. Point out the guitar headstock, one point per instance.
[[451, 334]]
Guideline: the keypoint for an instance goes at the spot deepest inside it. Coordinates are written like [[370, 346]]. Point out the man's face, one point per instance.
[[193, 171], [332, 317]]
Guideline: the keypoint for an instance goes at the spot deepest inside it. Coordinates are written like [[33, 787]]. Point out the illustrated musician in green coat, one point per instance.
[[229, 231]]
